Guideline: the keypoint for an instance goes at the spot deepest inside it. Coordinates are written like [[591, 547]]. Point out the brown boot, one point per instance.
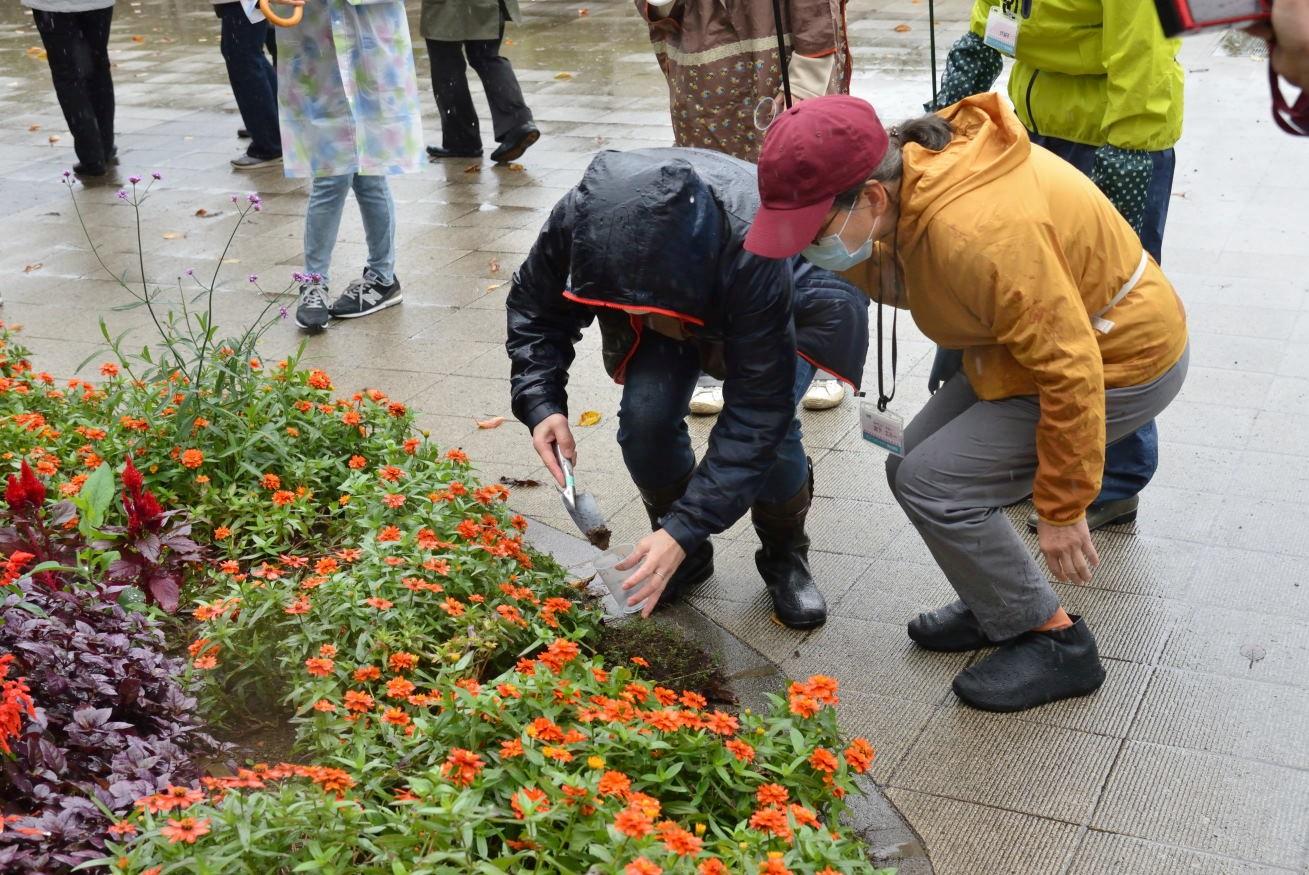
[[698, 566], [783, 559]]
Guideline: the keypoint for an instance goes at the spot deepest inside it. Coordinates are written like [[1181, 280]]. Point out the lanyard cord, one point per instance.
[[931, 30], [883, 399]]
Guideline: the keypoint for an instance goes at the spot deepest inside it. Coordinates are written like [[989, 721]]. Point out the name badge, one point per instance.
[[1001, 31], [882, 427]]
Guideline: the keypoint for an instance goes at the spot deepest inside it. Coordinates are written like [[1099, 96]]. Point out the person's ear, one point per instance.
[[876, 195]]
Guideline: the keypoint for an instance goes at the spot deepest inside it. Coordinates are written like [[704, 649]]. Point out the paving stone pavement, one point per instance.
[[1194, 757]]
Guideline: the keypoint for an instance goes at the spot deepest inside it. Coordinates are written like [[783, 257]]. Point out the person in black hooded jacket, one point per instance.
[[650, 244]]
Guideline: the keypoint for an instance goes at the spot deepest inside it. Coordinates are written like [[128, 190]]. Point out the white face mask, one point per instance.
[[830, 252]]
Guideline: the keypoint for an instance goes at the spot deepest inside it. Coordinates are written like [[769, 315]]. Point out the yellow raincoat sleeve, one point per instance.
[[1023, 289], [1138, 61]]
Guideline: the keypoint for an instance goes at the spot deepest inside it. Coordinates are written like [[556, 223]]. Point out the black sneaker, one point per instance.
[[312, 313], [365, 295]]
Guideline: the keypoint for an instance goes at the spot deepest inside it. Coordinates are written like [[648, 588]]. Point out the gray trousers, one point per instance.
[[966, 459]]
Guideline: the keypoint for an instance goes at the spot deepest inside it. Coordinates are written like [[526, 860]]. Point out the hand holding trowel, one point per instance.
[[582, 506]]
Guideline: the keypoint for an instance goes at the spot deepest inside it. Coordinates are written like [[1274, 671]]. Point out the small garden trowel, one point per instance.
[[582, 507]]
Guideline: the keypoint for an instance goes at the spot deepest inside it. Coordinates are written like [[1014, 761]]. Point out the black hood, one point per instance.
[[652, 227]]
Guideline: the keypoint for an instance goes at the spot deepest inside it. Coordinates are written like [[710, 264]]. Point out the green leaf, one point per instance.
[[97, 494]]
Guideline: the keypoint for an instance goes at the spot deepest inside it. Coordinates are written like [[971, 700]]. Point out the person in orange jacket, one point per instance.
[[1072, 336]]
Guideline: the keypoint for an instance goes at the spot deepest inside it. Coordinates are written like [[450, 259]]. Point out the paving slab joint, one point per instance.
[[751, 676]]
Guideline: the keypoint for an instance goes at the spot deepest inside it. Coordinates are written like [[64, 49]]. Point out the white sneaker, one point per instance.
[[707, 401], [823, 395]]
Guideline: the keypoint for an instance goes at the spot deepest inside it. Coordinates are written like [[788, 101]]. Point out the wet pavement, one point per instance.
[[1194, 757]]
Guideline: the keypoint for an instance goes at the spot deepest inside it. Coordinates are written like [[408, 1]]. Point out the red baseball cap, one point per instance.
[[814, 151]]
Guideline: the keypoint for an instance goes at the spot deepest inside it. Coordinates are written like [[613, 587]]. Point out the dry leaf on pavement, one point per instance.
[[32, 129], [493, 422], [564, 75], [53, 138], [493, 286], [36, 265], [588, 418], [902, 28], [514, 168], [137, 38], [173, 235], [473, 168], [583, 12], [494, 266]]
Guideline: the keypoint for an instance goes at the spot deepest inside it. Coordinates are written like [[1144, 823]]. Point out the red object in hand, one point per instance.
[[1189, 16]]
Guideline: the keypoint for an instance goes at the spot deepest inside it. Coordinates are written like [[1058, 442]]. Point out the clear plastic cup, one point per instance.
[[613, 578]]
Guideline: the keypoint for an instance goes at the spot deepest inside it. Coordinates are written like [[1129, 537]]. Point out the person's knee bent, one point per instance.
[[892, 469]]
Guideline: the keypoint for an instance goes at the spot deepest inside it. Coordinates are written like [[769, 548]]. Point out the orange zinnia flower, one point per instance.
[[379, 603], [641, 866], [712, 866], [860, 755], [393, 499], [457, 455], [186, 829], [773, 865], [529, 795], [357, 701], [511, 748], [395, 717], [772, 794], [391, 473], [740, 750], [402, 661], [357, 462], [633, 822], [771, 820], [399, 688], [804, 816], [204, 663], [462, 766], [678, 840], [283, 497], [367, 673], [803, 706], [193, 458], [271, 481], [109, 369], [721, 723], [388, 534], [325, 706], [823, 760], [319, 667], [222, 533], [452, 606]]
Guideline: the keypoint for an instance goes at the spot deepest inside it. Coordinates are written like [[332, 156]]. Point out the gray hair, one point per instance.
[[929, 131]]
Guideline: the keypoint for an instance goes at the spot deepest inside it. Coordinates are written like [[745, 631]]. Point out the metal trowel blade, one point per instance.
[[588, 518]]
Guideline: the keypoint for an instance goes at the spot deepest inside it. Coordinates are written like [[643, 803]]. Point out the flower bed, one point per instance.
[[444, 680]]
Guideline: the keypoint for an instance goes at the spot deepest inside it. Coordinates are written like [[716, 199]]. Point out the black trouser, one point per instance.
[[77, 47], [254, 81], [459, 130]]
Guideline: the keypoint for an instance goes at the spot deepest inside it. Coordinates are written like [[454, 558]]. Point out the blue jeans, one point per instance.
[[652, 420], [253, 78], [1130, 463], [323, 220]]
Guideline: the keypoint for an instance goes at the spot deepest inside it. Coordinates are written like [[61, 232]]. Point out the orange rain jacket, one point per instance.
[[1007, 252]]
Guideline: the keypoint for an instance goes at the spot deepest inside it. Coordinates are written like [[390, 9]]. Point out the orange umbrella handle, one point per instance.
[[291, 21]]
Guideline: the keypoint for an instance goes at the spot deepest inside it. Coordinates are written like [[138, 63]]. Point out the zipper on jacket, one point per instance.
[[1030, 116]]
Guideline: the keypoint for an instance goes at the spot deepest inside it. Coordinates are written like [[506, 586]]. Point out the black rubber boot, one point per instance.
[[951, 629], [1033, 669], [783, 559], [698, 566]]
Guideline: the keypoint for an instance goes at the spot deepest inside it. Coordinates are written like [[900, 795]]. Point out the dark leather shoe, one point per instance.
[[1033, 669], [1110, 513], [783, 559], [516, 142], [90, 169], [435, 153], [951, 629]]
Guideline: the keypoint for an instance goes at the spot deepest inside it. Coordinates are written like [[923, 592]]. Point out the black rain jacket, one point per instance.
[[662, 230]]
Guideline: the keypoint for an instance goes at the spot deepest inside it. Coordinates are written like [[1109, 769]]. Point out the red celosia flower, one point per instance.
[[15, 701], [24, 492]]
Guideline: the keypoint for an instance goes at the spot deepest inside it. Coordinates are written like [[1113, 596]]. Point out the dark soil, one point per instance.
[[255, 743], [675, 661]]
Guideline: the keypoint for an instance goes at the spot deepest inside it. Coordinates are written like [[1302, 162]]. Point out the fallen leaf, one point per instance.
[[583, 12], [564, 75], [201, 213], [494, 286], [137, 38], [34, 128], [514, 168], [173, 235], [53, 138], [36, 52], [493, 422], [902, 28], [36, 265], [588, 419], [473, 168], [494, 266], [518, 483], [508, 42]]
